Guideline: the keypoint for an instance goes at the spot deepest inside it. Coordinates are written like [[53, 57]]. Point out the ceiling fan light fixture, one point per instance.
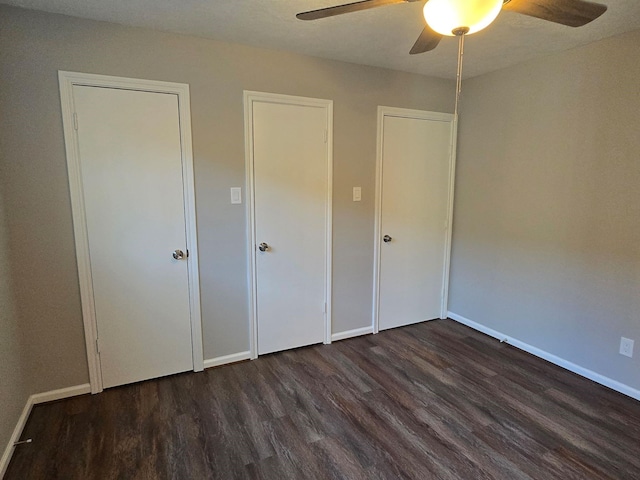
[[449, 17]]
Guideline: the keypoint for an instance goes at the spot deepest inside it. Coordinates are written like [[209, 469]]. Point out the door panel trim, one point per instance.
[[66, 81], [419, 115], [249, 98]]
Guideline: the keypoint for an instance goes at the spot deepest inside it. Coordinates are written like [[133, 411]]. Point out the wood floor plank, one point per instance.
[[434, 400]]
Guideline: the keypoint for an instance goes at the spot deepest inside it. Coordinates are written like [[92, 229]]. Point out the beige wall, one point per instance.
[[547, 209], [13, 392], [34, 46]]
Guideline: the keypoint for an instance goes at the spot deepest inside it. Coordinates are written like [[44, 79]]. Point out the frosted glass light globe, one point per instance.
[[445, 16]]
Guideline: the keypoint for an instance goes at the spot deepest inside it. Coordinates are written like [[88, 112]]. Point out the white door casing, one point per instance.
[[288, 145], [133, 204], [414, 199]]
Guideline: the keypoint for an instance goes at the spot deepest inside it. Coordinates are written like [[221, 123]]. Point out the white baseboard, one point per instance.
[[234, 357], [15, 436], [549, 357], [351, 333], [26, 411], [60, 394]]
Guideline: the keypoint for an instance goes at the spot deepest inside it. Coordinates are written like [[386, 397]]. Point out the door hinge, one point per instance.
[[325, 307], [75, 120], [187, 253], [326, 136], [97, 346]]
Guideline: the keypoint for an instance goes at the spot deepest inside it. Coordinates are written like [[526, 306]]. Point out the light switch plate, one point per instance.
[[357, 194], [236, 195]]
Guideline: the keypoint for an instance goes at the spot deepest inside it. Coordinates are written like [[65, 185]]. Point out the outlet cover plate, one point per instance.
[[626, 347]]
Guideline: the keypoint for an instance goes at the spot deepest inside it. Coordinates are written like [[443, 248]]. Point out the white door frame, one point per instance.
[[67, 80], [249, 98], [420, 115]]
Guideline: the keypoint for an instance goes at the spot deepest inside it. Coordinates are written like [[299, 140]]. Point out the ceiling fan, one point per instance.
[[461, 17]]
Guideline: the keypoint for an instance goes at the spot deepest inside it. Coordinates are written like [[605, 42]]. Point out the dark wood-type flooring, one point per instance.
[[433, 400]]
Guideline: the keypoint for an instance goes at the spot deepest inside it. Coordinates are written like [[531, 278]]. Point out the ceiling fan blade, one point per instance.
[[428, 40], [573, 13], [348, 8]]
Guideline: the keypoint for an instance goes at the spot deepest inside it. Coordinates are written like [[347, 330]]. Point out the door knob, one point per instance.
[[386, 239], [178, 254], [263, 247]]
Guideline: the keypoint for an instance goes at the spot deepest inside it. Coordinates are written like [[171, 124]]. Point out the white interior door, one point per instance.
[[414, 210], [130, 158], [290, 177]]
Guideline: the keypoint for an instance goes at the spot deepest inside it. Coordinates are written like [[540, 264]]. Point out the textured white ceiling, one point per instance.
[[381, 37]]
